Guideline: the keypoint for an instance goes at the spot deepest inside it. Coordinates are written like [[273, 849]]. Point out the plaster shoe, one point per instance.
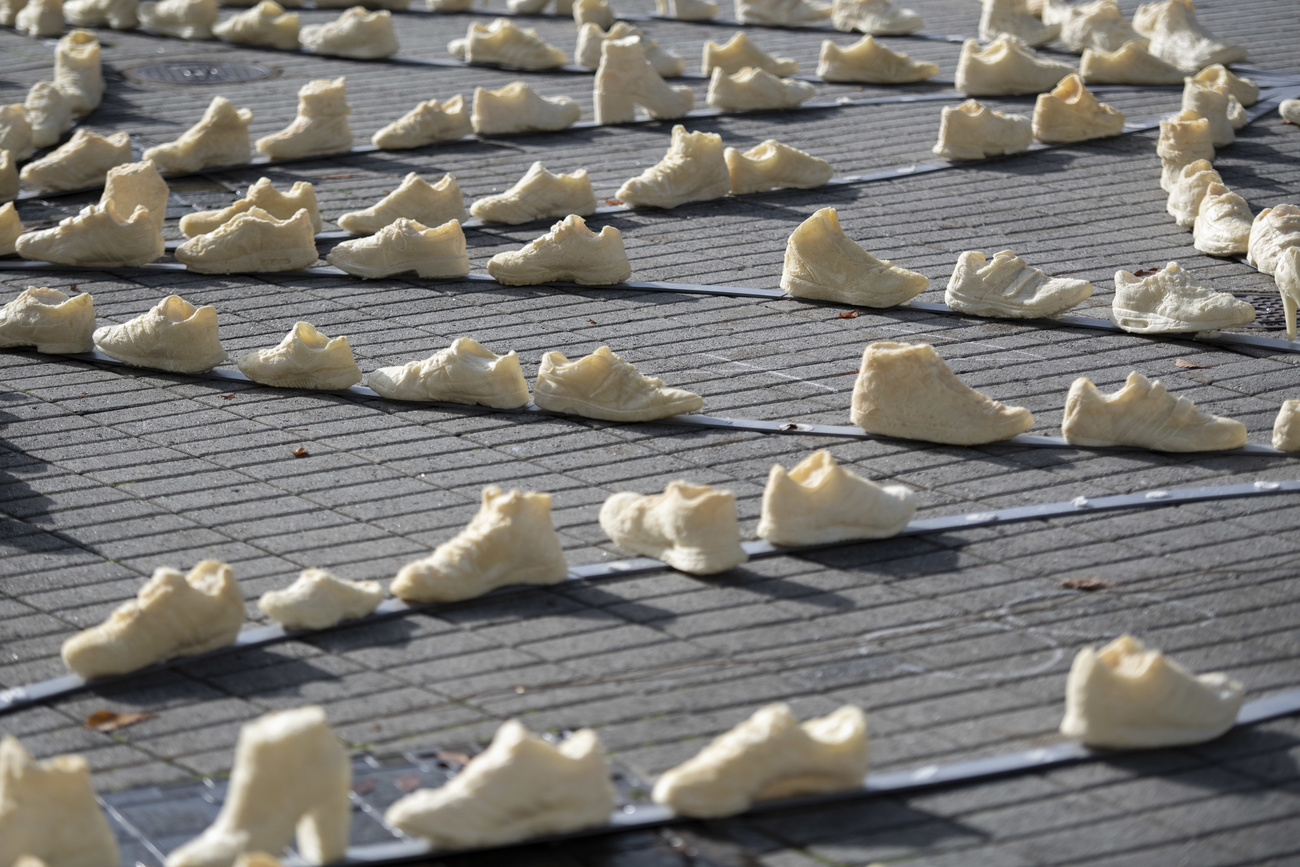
[[693, 170], [321, 126], [1184, 139], [465, 372], [416, 199], [174, 614], [430, 121], [1005, 67], [133, 185], [1223, 222], [1286, 427], [319, 600], [1098, 25], [519, 787], [1130, 64], [1273, 230], [405, 245], [1125, 697], [973, 131], [96, 236], [1177, 37], [251, 243], [49, 112], [40, 19], [1010, 17], [569, 252], [265, 24], [504, 43], [220, 138], [449, 5], [510, 541], [48, 812], [10, 228], [291, 779], [77, 71], [1007, 287], [867, 61], [9, 10], [781, 11], [1219, 108], [356, 33], [8, 177], [604, 386], [1188, 189], [262, 195], [518, 108], [1070, 113], [536, 7], [739, 53], [1171, 300], [305, 358], [83, 161], [50, 321], [692, 528], [821, 262], [117, 14], [187, 19], [687, 10], [16, 131], [1288, 110], [1287, 277], [626, 79], [174, 335], [819, 502], [908, 391], [1218, 77], [592, 12], [874, 17], [590, 38], [774, 166], [756, 90], [769, 755], [539, 194], [1144, 414]]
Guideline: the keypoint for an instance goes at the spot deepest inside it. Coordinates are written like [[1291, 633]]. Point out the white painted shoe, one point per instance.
[[536, 7], [1286, 427], [133, 185], [11, 227], [77, 70], [869, 62], [251, 243], [907, 391], [781, 11], [465, 372], [175, 336], [626, 79], [1096, 26], [1130, 64], [1127, 697], [8, 177], [693, 170], [416, 199], [973, 131], [1012, 18], [430, 121], [774, 166], [265, 24], [262, 195], [356, 33], [50, 321], [1286, 274], [1184, 139], [539, 194], [1007, 287], [590, 38], [83, 161], [40, 19], [1070, 113], [503, 42], [1218, 77], [687, 10], [404, 246], [755, 90], [692, 528], [821, 262], [593, 12], [519, 787], [1288, 110], [518, 108], [874, 17], [16, 131], [449, 5], [1223, 223], [1177, 37], [305, 358], [321, 126], [739, 53], [319, 600], [9, 10], [510, 541], [568, 253], [96, 236], [769, 755], [174, 614], [187, 19], [1217, 106], [220, 138], [819, 502], [1005, 67], [1273, 230], [117, 14], [49, 112], [1188, 189], [604, 386], [1171, 300], [1144, 414]]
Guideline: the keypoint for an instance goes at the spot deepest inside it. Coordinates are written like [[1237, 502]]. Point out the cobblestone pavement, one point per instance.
[[956, 644]]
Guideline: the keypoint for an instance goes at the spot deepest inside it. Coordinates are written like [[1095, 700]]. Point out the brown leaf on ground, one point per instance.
[[592, 321], [408, 783], [1189, 365], [613, 202], [301, 452], [1145, 272], [111, 721], [1087, 585], [849, 314], [230, 396]]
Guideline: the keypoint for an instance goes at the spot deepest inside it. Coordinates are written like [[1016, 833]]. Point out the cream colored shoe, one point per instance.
[[1097, 26], [692, 528], [117, 14], [874, 17], [174, 614], [430, 121], [1272, 232], [305, 358], [174, 335], [40, 19], [1286, 427], [50, 321], [220, 138], [908, 391], [973, 131], [1177, 37], [592, 12], [1184, 139], [510, 541], [1217, 106], [774, 166], [1171, 300], [1008, 288], [356, 33], [321, 126], [416, 199], [265, 24], [1130, 64], [626, 79], [503, 42], [868, 62], [16, 131], [693, 170], [739, 53], [83, 161], [518, 108], [1218, 77], [769, 755], [1287, 277], [1144, 414], [1288, 110], [402, 246], [98, 235], [9, 10], [8, 177], [1012, 18], [10, 229], [319, 600], [755, 90], [465, 372], [1005, 67], [519, 787], [1223, 223], [819, 502], [187, 19], [781, 11], [49, 112], [77, 71], [604, 386], [1188, 190], [568, 253], [535, 7], [687, 10], [1070, 113], [133, 185], [591, 38], [821, 262], [539, 194], [251, 243], [264, 196]]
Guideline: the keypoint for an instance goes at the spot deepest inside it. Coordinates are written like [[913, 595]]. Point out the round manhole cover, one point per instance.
[[196, 72]]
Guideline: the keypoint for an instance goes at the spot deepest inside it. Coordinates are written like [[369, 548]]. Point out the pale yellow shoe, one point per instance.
[[570, 253], [1286, 427], [819, 502], [305, 358], [595, 12], [1272, 232], [319, 600], [1177, 37], [692, 528], [503, 42], [10, 228], [781, 11], [1218, 77], [50, 321], [518, 108], [1144, 414], [415, 199], [1223, 223], [117, 14], [1287, 277], [626, 78], [1070, 113], [1130, 64], [774, 166], [430, 121], [1189, 187], [1007, 287], [8, 177], [693, 170], [265, 24], [1219, 107], [755, 90], [1184, 138], [174, 335], [356, 33], [402, 246], [604, 386], [465, 372], [739, 53], [1005, 67], [868, 62], [539, 194], [83, 161], [263, 195], [1011, 18], [253, 242], [973, 131], [874, 17], [321, 126], [1172, 300], [687, 10], [821, 262], [40, 19], [220, 138], [1096, 26], [49, 112], [77, 71], [187, 19], [16, 131], [133, 185], [96, 236], [591, 38]]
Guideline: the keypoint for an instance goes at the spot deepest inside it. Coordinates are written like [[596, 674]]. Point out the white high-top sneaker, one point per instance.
[[692, 528], [49, 111], [1273, 231], [16, 131], [591, 37], [1177, 37], [40, 19], [1188, 189], [77, 70], [133, 185], [821, 262], [321, 126], [1096, 26], [1184, 138], [1223, 223], [625, 79]]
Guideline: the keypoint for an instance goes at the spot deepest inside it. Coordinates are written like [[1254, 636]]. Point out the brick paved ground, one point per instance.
[[956, 644]]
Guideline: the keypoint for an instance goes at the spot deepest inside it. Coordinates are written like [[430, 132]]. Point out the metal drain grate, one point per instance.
[[1268, 311], [195, 72]]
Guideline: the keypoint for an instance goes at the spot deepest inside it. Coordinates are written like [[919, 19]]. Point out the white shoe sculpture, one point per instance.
[[1007, 287], [626, 79], [321, 126], [1184, 139], [1171, 300], [97, 235], [356, 33], [510, 541], [539, 194], [416, 199], [430, 121], [1219, 107], [867, 61], [319, 600], [1130, 64], [1144, 414], [465, 372], [503, 42], [1096, 26], [40, 19], [518, 108], [405, 245], [133, 185], [1289, 111], [592, 12], [519, 787], [604, 386], [568, 253], [253, 242], [265, 24], [1177, 37], [187, 19], [1188, 189], [819, 502], [77, 70], [774, 166], [220, 138], [174, 614], [174, 335], [973, 131], [449, 5], [305, 358], [692, 528], [1005, 67], [1286, 427], [1218, 77], [908, 391], [117, 14], [769, 755], [739, 53], [1070, 113], [16, 131], [821, 262], [590, 38], [693, 170], [262, 195], [8, 177], [755, 90], [1012, 18], [10, 228], [49, 112], [687, 10], [83, 161], [50, 321], [1223, 223], [874, 17], [48, 812], [9, 10], [781, 11], [290, 780], [535, 7], [1272, 232], [1286, 275], [1127, 697]]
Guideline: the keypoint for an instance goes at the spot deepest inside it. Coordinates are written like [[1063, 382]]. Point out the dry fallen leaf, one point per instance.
[[301, 452], [111, 721], [613, 202], [230, 396], [1188, 365], [1145, 272], [592, 321], [1087, 585], [850, 314], [407, 783]]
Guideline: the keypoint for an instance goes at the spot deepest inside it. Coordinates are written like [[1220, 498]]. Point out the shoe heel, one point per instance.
[[614, 108]]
